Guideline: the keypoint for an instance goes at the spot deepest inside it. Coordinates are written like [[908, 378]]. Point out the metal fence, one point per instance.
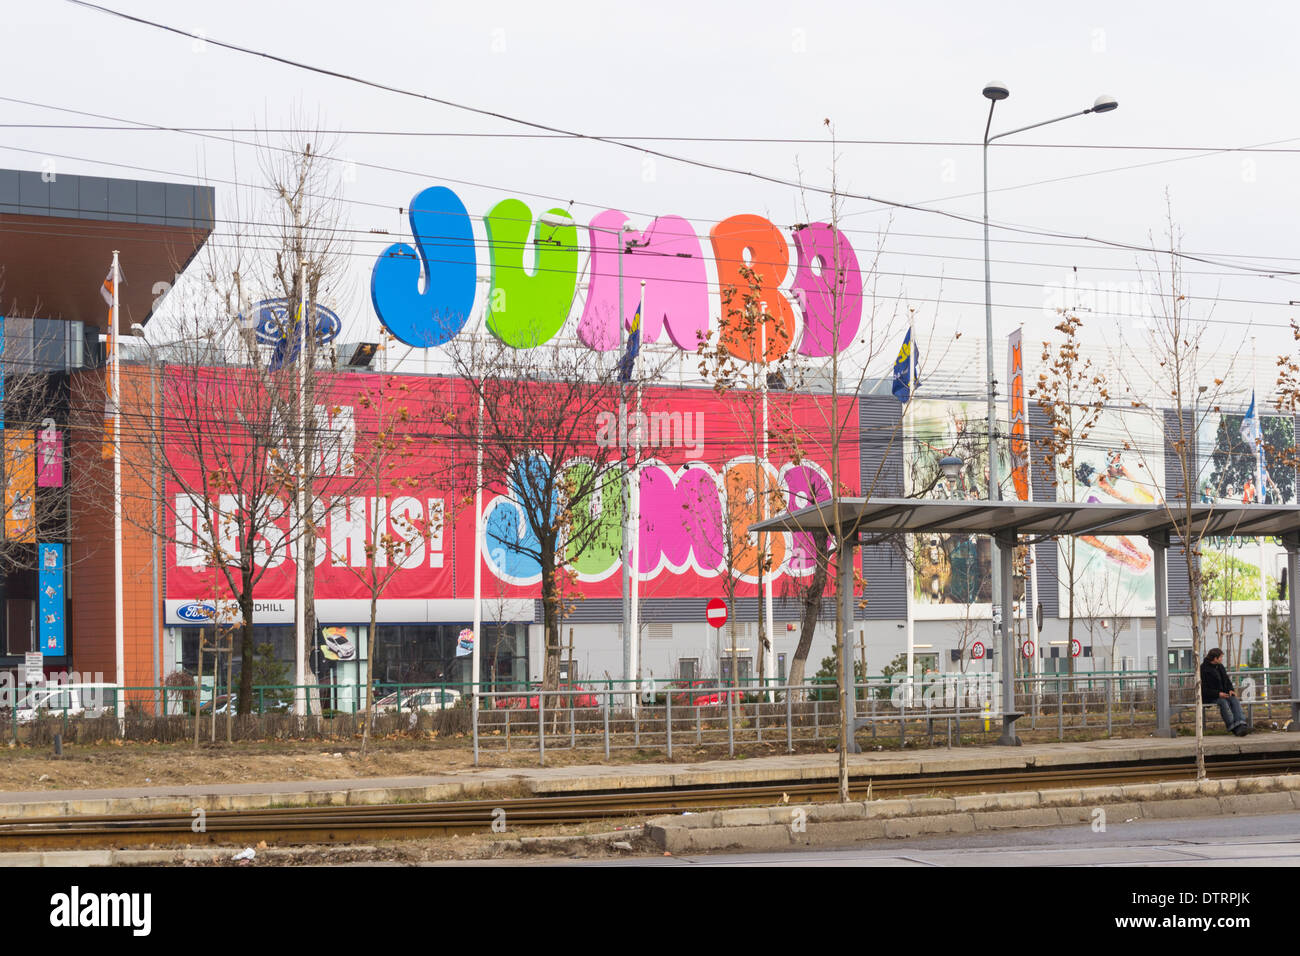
[[669, 717]]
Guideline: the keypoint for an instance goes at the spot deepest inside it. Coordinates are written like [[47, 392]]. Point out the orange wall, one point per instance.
[[90, 554]]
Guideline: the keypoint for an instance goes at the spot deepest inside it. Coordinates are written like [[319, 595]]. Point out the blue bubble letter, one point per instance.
[[442, 231]]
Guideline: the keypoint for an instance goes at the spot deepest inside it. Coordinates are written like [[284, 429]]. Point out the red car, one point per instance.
[[713, 697], [566, 695]]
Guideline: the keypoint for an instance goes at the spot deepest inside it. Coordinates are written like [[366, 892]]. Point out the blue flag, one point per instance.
[[633, 348], [1252, 433], [904, 386]]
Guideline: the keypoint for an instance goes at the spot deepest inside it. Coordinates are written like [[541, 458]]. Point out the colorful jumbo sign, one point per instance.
[[691, 531], [425, 294]]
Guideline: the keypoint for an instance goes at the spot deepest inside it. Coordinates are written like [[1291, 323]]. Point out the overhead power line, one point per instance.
[[552, 198], [621, 144]]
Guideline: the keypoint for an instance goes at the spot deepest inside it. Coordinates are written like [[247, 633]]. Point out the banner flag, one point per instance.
[[1018, 446], [51, 605]]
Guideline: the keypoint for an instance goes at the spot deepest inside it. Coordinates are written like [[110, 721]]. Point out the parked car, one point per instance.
[[566, 695], [707, 695], [74, 700], [425, 699]]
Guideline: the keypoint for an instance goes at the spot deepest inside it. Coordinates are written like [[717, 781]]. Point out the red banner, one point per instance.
[[699, 491]]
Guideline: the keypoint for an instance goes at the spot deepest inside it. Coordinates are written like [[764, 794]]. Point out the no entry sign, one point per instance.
[[716, 612]]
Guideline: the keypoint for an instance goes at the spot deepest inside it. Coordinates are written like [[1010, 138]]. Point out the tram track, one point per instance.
[[342, 824]]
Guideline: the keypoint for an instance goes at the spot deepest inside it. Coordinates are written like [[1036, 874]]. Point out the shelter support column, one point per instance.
[[848, 557], [1292, 543], [1159, 542], [1006, 549]]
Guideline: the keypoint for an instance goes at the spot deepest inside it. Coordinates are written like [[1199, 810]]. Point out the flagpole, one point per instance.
[[1260, 496], [119, 612], [769, 653], [300, 557], [911, 620], [476, 660], [636, 512]]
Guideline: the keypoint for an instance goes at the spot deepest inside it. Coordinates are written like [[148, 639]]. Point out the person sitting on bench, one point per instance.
[[1216, 688]]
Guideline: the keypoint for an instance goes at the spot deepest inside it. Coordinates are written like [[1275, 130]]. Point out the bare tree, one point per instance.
[[1105, 607], [849, 326], [384, 452], [743, 387], [1166, 375], [233, 410], [544, 420], [1072, 395]]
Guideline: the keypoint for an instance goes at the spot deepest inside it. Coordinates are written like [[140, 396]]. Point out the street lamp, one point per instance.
[[629, 624], [994, 92]]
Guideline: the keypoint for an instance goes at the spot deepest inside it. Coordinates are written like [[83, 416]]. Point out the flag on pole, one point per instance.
[[1253, 435], [906, 379], [633, 348], [110, 402]]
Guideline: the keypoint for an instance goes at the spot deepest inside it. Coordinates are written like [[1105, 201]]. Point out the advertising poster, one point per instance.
[[49, 581], [49, 455], [20, 486], [1228, 473], [950, 571], [1112, 573]]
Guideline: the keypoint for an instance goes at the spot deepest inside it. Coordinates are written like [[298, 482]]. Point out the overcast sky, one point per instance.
[[1185, 74]]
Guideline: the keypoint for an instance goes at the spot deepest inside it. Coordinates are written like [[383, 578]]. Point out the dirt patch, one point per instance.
[[119, 764], [131, 764]]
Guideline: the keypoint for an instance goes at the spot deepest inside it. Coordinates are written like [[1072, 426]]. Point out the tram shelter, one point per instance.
[[1012, 523]]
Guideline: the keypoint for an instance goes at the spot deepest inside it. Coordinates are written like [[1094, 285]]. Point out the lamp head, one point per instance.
[[996, 91], [951, 466], [1104, 104], [554, 220]]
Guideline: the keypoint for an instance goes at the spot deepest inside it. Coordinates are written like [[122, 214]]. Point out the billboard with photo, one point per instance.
[[1120, 462]]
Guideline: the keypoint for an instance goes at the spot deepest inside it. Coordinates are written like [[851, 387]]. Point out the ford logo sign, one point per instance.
[[273, 321], [196, 612]]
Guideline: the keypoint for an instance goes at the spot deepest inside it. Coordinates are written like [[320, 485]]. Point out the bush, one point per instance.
[[179, 686], [828, 676]]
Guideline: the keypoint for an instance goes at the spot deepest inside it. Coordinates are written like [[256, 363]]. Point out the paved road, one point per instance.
[[1265, 840]]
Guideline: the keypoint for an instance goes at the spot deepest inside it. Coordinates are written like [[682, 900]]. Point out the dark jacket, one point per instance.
[[1214, 678]]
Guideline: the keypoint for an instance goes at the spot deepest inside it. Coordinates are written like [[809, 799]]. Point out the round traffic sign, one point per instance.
[[1027, 649], [977, 651], [1076, 647], [716, 612]]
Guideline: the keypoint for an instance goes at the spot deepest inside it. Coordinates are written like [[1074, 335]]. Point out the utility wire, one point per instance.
[[716, 167]]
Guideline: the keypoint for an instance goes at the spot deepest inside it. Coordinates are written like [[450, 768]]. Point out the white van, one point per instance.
[[74, 700]]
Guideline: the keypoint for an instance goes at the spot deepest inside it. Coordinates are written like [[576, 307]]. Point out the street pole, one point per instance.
[[119, 612], [635, 495], [300, 618], [994, 92], [1261, 495], [624, 547], [767, 636]]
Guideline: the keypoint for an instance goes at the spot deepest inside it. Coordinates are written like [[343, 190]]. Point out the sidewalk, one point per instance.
[[539, 781]]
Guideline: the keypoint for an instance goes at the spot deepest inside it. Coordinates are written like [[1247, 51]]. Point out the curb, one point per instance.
[[785, 827], [625, 840]]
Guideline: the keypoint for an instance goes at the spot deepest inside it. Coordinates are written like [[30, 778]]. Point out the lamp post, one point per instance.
[[629, 625], [994, 92]]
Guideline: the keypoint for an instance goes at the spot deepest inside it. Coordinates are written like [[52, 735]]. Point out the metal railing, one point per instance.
[[671, 717]]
